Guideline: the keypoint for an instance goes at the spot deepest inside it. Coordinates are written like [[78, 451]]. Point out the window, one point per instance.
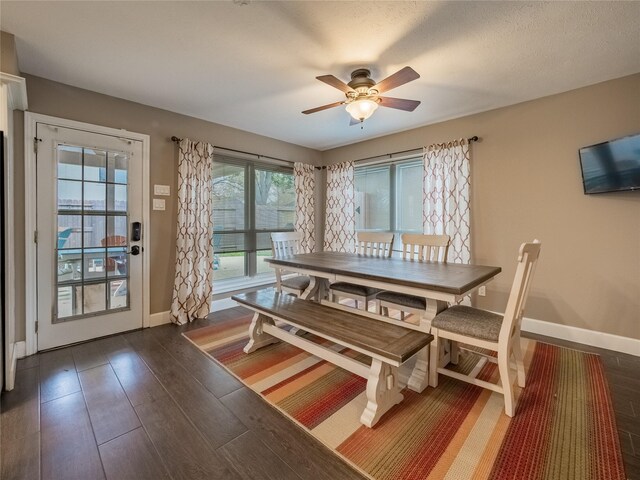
[[250, 200], [388, 197]]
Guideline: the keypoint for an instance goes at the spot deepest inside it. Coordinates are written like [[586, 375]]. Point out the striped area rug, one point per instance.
[[564, 426]]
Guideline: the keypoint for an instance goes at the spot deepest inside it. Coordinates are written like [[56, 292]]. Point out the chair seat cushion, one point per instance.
[[402, 300], [299, 282], [469, 321], [353, 289]]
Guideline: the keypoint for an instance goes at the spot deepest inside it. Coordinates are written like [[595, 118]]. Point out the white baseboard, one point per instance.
[[582, 335], [159, 318], [20, 349], [162, 318], [16, 350]]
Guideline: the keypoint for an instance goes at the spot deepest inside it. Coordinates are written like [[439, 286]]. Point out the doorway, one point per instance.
[[89, 247]]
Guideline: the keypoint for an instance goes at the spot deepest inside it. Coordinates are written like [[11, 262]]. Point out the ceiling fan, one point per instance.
[[363, 93]]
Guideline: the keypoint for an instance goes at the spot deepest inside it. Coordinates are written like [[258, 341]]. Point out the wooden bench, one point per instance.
[[388, 345]]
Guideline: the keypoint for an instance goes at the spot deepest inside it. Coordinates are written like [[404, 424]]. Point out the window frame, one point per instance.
[[249, 232], [393, 194]]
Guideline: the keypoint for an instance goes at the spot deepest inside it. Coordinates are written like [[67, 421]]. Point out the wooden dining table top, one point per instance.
[[450, 278]]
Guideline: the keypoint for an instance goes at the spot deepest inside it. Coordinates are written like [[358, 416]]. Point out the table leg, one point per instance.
[[419, 378], [316, 290], [383, 392], [257, 337]]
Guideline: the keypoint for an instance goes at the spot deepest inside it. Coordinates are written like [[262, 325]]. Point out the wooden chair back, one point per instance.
[[425, 248], [285, 244], [375, 244], [527, 259]]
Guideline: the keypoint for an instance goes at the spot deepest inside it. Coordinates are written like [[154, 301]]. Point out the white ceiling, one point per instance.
[[253, 66]]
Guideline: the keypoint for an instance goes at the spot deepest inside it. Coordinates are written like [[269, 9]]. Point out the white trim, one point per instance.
[[160, 318], [16, 91], [30, 121], [14, 352], [594, 338]]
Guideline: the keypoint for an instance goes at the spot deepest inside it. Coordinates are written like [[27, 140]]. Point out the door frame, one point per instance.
[[30, 121]]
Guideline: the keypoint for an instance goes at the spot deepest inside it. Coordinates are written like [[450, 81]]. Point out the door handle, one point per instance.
[[135, 250]]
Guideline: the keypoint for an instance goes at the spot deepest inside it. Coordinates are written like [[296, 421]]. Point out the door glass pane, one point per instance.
[[69, 301], [94, 230], [372, 198], [69, 231], [95, 165], [94, 196], [117, 198], [118, 297], [69, 195], [117, 259], [69, 162], [117, 167], [116, 230], [94, 263], [94, 298], [92, 238]]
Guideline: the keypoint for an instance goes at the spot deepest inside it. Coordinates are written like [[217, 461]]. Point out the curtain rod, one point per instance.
[[177, 140], [417, 149]]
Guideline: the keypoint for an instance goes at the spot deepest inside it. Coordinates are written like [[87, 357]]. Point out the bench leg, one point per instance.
[[419, 378], [257, 338], [383, 392]]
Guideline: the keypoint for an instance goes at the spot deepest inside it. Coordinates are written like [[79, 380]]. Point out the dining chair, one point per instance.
[[285, 244], [415, 248], [491, 331], [373, 244]]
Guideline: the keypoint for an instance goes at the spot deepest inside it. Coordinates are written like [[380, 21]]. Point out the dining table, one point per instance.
[[440, 283]]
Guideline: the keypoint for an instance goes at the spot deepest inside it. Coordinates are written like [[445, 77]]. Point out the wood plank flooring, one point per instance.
[[149, 405]]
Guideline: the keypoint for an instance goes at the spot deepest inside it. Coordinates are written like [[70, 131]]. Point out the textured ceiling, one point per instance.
[[253, 66]]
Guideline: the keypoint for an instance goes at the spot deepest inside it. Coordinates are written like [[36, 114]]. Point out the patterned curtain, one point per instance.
[[193, 284], [340, 222], [445, 194], [305, 184]]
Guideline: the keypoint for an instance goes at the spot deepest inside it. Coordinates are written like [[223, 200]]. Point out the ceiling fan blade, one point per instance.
[[335, 82], [406, 75], [323, 107], [399, 103]]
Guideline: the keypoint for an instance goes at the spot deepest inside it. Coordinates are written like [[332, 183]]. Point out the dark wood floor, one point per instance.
[[149, 405]]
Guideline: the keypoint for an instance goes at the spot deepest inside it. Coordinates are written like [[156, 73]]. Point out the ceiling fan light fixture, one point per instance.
[[362, 109]]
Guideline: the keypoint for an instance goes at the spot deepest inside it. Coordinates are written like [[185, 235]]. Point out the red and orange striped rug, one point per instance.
[[564, 426]]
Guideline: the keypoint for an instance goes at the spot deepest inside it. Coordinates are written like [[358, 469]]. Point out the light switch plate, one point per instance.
[[164, 190], [158, 203]]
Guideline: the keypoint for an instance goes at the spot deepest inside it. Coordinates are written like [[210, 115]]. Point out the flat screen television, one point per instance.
[[612, 166]]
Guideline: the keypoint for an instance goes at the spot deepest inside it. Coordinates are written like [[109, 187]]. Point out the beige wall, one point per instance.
[[8, 56], [52, 98], [526, 184]]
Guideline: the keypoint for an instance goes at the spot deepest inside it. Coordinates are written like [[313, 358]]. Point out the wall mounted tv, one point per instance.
[[612, 166]]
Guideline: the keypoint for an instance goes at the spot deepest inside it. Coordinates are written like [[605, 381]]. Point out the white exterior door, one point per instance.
[[89, 235]]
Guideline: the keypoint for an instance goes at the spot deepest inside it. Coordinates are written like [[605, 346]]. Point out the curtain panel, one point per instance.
[[193, 283], [305, 185], [340, 220], [446, 196]]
